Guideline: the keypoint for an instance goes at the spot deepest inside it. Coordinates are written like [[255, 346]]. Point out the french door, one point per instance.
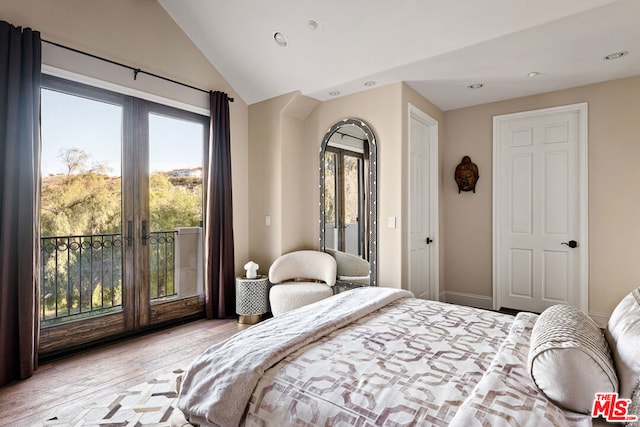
[[121, 214]]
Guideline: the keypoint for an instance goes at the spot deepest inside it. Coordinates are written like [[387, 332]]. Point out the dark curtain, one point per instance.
[[20, 61], [220, 268]]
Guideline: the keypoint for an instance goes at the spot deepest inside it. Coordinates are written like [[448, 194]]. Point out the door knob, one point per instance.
[[572, 244], [429, 240]]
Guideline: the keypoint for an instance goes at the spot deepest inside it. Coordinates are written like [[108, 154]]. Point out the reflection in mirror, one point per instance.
[[348, 216]]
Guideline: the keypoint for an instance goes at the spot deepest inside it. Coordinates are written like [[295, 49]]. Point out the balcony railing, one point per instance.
[[82, 275], [162, 257]]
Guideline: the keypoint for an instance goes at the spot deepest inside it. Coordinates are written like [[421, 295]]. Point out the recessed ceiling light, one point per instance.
[[533, 74], [313, 25], [334, 93], [280, 39], [476, 86], [616, 55], [369, 83]]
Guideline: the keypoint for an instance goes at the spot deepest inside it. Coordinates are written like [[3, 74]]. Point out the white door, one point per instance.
[[540, 244], [423, 222]]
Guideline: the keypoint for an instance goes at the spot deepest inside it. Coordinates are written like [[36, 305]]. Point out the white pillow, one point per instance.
[[623, 335], [569, 359]]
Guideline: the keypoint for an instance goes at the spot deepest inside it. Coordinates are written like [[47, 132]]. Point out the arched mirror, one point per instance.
[[348, 190]]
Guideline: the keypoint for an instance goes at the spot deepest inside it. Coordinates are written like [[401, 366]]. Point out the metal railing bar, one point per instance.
[[105, 270], [164, 270], [68, 278], [101, 276], [113, 293], [80, 275], [157, 270], [56, 281]]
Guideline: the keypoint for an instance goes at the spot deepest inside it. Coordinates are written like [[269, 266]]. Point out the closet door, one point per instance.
[[540, 209]]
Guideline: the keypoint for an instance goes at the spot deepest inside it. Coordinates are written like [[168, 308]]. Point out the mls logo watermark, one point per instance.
[[611, 408]]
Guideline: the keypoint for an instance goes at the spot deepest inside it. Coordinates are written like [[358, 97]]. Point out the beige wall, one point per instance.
[[280, 178], [380, 109], [614, 151], [138, 33], [300, 126], [265, 177], [385, 110], [299, 160]]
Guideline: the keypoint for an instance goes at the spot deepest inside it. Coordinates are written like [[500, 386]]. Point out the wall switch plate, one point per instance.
[[267, 220], [391, 222]]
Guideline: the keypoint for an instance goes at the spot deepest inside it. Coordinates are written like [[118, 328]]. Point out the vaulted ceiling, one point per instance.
[[440, 48]]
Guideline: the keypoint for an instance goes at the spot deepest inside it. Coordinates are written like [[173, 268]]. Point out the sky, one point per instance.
[[96, 127]]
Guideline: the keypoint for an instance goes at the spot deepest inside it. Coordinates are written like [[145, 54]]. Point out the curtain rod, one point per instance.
[[136, 71], [342, 134]]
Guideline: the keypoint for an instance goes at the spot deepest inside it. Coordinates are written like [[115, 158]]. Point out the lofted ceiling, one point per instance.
[[438, 47]]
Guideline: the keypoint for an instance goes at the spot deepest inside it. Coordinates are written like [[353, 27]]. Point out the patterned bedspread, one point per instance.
[[412, 362], [505, 395]]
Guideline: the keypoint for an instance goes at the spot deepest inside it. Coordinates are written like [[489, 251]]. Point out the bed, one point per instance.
[[378, 356]]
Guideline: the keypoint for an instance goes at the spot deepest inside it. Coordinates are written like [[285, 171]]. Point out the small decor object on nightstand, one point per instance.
[[252, 269], [252, 298], [466, 175]]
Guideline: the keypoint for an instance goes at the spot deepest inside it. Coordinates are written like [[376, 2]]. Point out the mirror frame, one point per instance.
[[370, 204]]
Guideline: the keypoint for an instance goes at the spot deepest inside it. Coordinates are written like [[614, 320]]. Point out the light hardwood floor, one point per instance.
[[77, 379]]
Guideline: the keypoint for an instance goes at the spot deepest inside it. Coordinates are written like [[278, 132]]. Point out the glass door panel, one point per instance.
[[80, 216], [353, 203], [330, 205], [81, 246], [343, 200], [175, 207]]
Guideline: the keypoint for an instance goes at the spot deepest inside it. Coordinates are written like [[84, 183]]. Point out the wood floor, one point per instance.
[[72, 381]]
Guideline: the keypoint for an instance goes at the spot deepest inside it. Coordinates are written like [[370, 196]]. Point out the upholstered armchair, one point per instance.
[[351, 268], [300, 278]]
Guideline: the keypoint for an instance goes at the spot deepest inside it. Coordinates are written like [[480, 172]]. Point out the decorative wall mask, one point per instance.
[[466, 175]]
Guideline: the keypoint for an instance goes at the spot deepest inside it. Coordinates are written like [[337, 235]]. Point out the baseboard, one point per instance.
[[600, 318], [471, 300], [485, 302]]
